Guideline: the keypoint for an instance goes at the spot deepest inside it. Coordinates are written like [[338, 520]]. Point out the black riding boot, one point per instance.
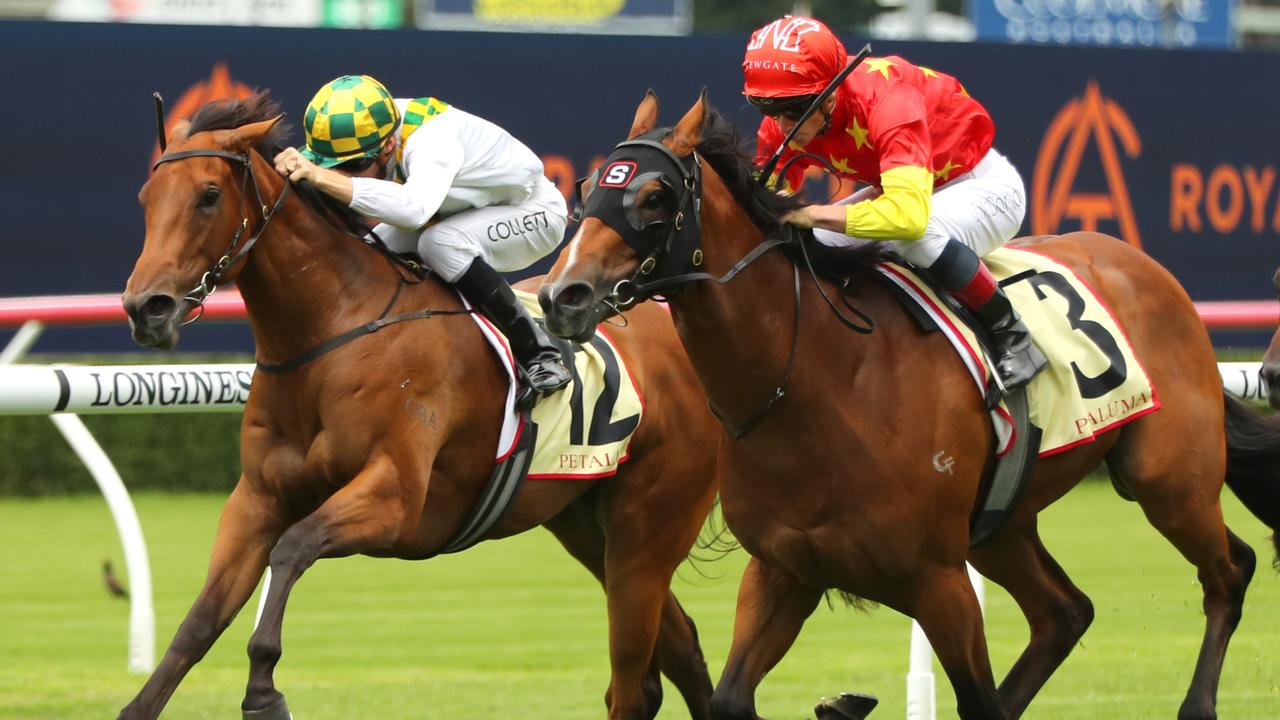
[[963, 274], [540, 362], [1016, 356]]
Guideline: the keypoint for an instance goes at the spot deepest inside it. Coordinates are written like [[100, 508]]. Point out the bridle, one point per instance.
[[672, 249], [215, 275]]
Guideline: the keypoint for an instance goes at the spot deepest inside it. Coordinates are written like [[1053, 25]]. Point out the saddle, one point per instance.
[[1000, 492], [1094, 382]]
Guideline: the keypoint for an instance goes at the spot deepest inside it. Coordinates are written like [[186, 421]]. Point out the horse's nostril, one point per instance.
[[158, 308], [577, 296]]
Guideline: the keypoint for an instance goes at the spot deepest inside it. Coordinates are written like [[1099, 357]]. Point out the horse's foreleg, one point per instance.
[[680, 656], [239, 557], [677, 653], [366, 513], [1057, 612], [634, 591], [947, 609], [772, 607]]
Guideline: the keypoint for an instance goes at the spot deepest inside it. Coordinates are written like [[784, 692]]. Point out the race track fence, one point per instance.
[[63, 392]]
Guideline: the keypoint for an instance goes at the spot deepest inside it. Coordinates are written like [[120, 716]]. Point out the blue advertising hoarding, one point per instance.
[[1170, 150], [1122, 23]]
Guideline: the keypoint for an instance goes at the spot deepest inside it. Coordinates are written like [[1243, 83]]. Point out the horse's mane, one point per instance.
[[230, 114], [722, 147]]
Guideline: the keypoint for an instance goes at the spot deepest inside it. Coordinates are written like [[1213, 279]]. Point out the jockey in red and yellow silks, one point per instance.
[[937, 188]]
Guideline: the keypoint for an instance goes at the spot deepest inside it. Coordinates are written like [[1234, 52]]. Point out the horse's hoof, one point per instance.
[[278, 710], [846, 706]]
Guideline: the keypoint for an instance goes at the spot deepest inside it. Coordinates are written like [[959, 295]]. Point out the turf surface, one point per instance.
[[516, 629]]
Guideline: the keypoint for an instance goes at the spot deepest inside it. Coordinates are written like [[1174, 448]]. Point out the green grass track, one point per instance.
[[517, 629]]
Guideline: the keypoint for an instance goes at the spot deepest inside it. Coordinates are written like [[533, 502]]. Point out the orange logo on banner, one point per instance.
[[219, 86], [1068, 135]]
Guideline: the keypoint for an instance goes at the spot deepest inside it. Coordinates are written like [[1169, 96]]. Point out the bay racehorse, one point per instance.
[[828, 457], [1271, 360], [384, 444]]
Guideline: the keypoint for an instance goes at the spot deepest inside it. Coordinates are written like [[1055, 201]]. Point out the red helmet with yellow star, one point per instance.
[[788, 59]]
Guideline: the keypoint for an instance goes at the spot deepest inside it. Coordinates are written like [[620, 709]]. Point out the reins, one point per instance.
[[869, 324], [213, 277], [682, 239]]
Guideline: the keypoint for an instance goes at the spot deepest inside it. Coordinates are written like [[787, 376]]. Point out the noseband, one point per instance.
[[213, 277]]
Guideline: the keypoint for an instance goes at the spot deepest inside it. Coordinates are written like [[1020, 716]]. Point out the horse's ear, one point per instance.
[[688, 132], [179, 131], [646, 115], [247, 135]]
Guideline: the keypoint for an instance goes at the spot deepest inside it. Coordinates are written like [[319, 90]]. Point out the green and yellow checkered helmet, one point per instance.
[[349, 118]]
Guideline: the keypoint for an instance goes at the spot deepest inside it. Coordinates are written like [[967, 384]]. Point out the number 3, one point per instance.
[[1116, 373]]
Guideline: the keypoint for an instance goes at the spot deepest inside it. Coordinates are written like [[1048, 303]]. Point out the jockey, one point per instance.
[[468, 197], [938, 189]]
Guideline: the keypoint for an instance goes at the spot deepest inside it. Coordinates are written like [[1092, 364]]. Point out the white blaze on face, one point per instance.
[[572, 260]]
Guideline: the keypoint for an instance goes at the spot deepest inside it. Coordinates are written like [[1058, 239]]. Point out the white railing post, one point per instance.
[[22, 341], [142, 617]]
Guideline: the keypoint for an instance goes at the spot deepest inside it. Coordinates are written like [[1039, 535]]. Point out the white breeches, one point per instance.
[[982, 208], [508, 237]]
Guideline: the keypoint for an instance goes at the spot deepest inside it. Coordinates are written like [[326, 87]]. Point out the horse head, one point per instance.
[[1271, 360], [640, 224], [204, 207]]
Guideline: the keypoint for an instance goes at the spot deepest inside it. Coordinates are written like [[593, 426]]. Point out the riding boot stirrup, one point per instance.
[[541, 365], [1017, 358]]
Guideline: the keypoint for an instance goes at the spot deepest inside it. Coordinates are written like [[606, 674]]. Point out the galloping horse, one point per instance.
[[384, 444], [1271, 360], [828, 460]]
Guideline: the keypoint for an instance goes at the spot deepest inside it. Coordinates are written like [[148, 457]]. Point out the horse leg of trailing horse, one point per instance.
[[1057, 612], [367, 512], [680, 655], [947, 609], [677, 654], [235, 566], [1179, 494], [772, 607], [636, 587], [578, 530]]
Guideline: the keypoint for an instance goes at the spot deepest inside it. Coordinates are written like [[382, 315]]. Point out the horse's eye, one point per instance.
[[209, 197], [654, 200]]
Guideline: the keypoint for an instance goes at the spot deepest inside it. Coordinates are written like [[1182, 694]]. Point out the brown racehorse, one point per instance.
[[1271, 360], [383, 445], [833, 486]]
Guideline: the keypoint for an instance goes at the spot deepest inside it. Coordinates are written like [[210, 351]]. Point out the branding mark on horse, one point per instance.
[[944, 463], [423, 414], [419, 412]]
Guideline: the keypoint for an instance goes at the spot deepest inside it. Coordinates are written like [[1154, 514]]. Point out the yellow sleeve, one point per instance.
[[901, 213]]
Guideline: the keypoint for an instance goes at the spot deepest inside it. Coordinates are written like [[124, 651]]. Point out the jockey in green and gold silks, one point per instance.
[[458, 190]]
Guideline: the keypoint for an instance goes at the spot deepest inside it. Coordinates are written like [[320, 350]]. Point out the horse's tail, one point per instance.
[[1253, 463]]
